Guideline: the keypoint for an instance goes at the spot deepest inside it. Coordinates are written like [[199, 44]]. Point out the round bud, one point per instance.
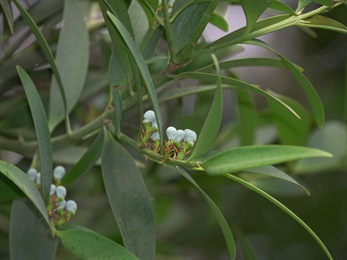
[[61, 204], [180, 135], [58, 172], [61, 192], [155, 136], [149, 116], [52, 190], [171, 133], [38, 178], [154, 124], [32, 174], [71, 206], [190, 136]]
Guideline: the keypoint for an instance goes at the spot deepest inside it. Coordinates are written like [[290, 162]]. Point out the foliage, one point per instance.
[[90, 83]]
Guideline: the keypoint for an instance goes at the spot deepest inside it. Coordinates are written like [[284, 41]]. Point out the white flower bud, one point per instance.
[[61, 192], [180, 134], [154, 124], [171, 133], [61, 204], [58, 172], [38, 178], [71, 206], [155, 136], [190, 136], [52, 190], [32, 174], [149, 117]]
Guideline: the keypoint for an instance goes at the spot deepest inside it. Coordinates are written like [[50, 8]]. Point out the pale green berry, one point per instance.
[[149, 117], [180, 134], [60, 192], [32, 174], [171, 133], [52, 190], [58, 172], [71, 206]]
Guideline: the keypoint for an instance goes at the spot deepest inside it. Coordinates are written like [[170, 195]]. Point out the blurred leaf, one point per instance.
[[219, 21], [42, 132], [72, 60], [305, 84], [233, 83], [87, 244], [248, 157], [5, 4], [146, 76], [30, 237], [86, 162], [247, 117], [139, 21], [118, 105], [291, 130], [246, 248], [22, 181], [212, 122], [149, 6], [228, 236], [253, 10], [8, 190], [189, 24], [46, 50], [323, 22], [303, 3], [279, 6], [332, 138], [283, 207], [276, 173], [128, 198]]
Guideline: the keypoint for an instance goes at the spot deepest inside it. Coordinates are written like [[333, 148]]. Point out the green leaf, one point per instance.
[[253, 10], [248, 157], [22, 181], [228, 236], [72, 60], [128, 197], [86, 162], [146, 76], [219, 21], [212, 122], [305, 84], [303, 3], [118, 105], [138, 20], [46, 50], [282, 207], [5, 4], [245, 247], [30, 237], [233, 83], [87, 244], [322, 22], [276, 173], [189, 25], [279, 6], [42, 132], [291, 131]]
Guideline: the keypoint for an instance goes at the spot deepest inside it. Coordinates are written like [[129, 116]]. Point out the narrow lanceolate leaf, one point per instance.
[[72, 60], [323, 22], [305, 84], [86, 162], [276, 173], [279, 6], [248, 157], [253, 10], [233, 83], [30, 237], [128, 197], [228, 236], [282, 207], [141, 64], [5, 4], [45, 48], [211, 125], [219, 21], [87, 244], [26, 185], [42, 132], [118, 105]]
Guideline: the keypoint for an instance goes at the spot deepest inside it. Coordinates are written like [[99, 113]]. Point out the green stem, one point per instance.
[[168, 31]]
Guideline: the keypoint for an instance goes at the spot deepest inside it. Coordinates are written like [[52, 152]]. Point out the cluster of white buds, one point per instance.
[[180, 142], [59, 210]]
